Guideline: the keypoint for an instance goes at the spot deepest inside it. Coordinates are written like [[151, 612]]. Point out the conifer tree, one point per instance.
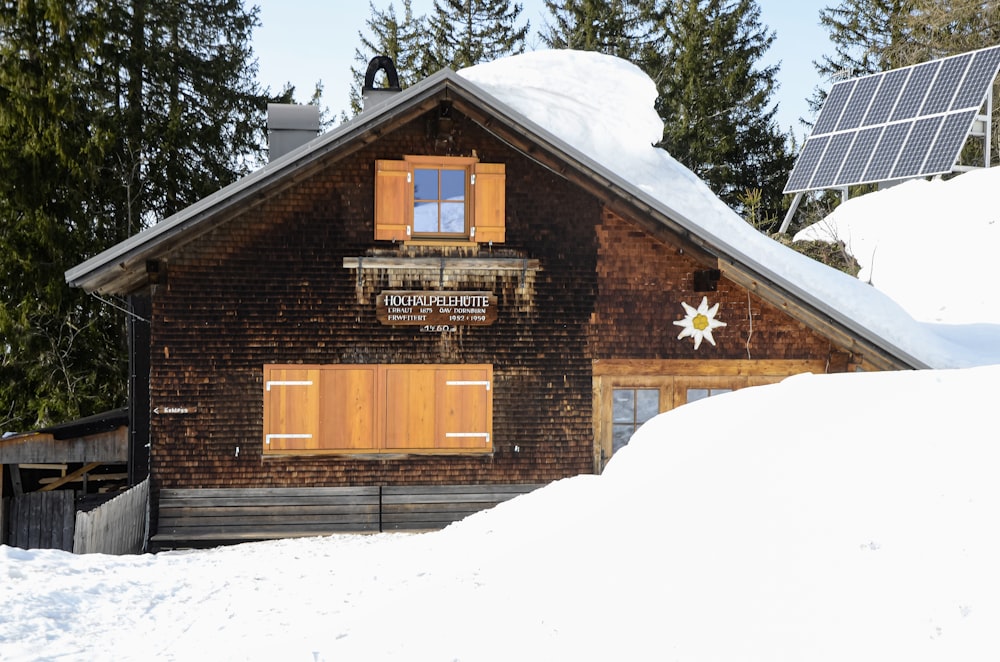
[[112, 116], [716, 103], [622, 28], [934, 29], [404, 40], [467, 32], [863, 33]]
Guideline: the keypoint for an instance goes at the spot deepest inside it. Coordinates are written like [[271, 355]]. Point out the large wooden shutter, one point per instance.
[[377, 408], [393, 200], [489, 194], [291, 409], [409, 407], [464, 408], [347, 408]]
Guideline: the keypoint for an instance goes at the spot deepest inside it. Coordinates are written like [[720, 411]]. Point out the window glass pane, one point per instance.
[[425, 184], [647, 404], [425, 217], [720, 391], [694, 394], [620, 434], [453, 185], [452, 217], [623, 405]]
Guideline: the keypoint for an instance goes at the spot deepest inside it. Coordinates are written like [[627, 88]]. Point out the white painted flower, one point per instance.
[[699, 322]]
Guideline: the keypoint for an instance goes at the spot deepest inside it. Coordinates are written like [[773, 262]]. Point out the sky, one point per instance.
[[305, 41], [856, 521]]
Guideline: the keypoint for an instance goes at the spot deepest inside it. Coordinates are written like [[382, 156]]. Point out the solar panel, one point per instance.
[[915, 92], [918, 143], [860, 101], [909, 122], [857, 160]]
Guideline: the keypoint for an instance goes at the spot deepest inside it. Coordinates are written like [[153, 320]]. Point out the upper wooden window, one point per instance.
[[424, 197], [378, 408]]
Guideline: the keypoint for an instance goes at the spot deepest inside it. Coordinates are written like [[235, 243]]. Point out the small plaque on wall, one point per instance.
[[437, 308]]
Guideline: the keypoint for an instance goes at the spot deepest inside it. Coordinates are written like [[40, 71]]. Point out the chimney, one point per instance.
[[371, 96], [289, 126]]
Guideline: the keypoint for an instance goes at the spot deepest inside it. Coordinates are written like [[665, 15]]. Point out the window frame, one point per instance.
[[346, 409], [484, 205], [673, 378], [440, 164]]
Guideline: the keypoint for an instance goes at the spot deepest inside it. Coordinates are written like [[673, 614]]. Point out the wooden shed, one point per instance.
[[47, 475], [427, 310]]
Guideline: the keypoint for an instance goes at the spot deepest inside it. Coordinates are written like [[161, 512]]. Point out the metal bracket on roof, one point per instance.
[[117, 307]]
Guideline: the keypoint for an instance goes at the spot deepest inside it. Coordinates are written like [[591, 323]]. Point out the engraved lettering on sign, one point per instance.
[[436, 309]]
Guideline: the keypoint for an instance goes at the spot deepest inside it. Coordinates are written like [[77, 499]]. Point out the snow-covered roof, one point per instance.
[[596, 112]]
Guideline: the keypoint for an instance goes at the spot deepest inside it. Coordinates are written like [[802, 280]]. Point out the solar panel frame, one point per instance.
[[943, 91], [857, 160], [888, 95], [835, 100], [805, 165], [914, 152], [911, 121], [859, 103], [943, 154], [975, 86], [887, 152], [833, 160], [913, 95]]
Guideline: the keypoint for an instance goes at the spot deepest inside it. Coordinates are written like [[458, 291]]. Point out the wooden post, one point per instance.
[[15, 479], [3, 511]]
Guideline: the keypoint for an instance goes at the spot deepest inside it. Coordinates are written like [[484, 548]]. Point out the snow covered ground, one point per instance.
[[830, 517]]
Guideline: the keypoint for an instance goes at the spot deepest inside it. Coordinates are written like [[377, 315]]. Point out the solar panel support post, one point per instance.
[[790, 213], [988, 140]]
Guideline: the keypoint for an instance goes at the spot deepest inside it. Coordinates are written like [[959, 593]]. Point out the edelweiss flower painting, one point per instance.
[[699, 322]]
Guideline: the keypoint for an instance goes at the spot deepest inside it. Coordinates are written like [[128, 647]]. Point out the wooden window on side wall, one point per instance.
[[377, 409], [628, 393], [440, 198]]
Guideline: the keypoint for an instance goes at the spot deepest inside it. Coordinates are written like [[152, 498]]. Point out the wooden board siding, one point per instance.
[[270, 287]]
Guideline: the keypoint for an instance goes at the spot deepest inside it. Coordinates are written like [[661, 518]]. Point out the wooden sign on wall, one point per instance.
[[401, 307]]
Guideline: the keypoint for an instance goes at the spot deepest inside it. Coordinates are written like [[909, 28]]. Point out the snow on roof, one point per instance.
[[603, 106]]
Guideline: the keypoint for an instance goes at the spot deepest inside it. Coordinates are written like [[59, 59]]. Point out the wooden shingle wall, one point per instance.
[[642, 282], [271, 287]]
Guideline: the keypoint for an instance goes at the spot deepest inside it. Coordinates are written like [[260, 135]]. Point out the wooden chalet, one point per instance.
[[425, 311]]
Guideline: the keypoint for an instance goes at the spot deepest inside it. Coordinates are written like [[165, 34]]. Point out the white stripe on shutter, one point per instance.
[[468, 383], [287, 383], [486, 435], [269, 437]]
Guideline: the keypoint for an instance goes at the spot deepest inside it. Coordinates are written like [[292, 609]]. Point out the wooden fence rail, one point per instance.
[[116, 527], [42, 520]]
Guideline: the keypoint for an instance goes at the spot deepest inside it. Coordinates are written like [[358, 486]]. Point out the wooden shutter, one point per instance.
[[393, 200], [291, 408], [464, 408], [347, 408], [489, 194], [409, 407]]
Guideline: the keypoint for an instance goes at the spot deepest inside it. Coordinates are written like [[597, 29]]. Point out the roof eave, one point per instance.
[[121, 268]]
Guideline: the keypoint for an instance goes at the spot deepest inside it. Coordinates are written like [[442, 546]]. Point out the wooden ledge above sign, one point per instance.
[[437, 308]]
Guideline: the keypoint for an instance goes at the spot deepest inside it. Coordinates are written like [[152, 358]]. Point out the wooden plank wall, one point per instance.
[[43, 520], [116, 527]]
